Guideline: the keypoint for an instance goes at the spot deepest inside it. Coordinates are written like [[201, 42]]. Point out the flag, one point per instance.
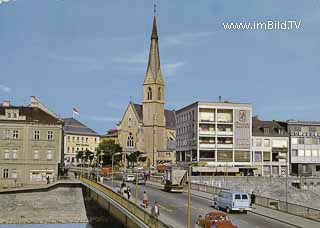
[[75, 111]]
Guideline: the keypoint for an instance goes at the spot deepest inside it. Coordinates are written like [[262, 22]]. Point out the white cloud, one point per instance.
[[170, 69], [5, 89]]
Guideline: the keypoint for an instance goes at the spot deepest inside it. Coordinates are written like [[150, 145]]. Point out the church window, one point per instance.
[[129, 121], [159, 93], [130, 142], [149, 93]]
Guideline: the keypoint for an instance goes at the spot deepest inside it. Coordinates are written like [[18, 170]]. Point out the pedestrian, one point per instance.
[[155, 210], [48, 179], [198, 222], [253, 199], [145, 199], [128, 192]]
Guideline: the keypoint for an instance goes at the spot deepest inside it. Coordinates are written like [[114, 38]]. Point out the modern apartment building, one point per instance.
[[30, 143], [78, 137], [270, 145], [217, 135], [304, 147]]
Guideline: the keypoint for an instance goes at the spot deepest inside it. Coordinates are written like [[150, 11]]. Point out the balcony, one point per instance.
[[227, 133], [207, 120], [201, 132], [208, 145], [225, 146]]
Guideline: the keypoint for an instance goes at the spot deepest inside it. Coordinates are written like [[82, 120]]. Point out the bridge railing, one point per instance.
[[295, 209], [134, 209]]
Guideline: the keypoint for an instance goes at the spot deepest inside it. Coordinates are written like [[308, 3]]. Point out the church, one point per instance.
[[148, 127]]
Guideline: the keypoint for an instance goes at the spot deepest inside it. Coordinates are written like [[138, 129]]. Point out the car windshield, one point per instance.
[[237, 196], [218, 217]]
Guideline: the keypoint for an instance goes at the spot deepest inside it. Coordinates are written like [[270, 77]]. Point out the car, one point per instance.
[[217, 220], [229, 201], [128, 177], [141, 178]]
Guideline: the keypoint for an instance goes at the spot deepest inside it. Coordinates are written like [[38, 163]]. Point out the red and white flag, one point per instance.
[[75, 111]]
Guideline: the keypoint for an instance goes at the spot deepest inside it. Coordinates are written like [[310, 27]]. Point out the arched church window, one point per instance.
[[149, 93], [159, 93], [130, 142]]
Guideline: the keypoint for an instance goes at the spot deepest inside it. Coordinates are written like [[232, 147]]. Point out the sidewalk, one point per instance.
[[263, 211]]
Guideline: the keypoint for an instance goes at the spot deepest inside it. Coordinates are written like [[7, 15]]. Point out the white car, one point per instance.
[[129, 177], [232, 201]]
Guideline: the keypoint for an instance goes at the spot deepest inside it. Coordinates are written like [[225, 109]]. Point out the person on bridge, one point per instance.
[[128, 192], [155, 210], [145, 199], [253, 199]]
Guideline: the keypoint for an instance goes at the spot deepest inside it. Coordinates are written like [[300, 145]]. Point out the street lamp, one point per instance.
[[112, 158], [286, 190], [189, 194]]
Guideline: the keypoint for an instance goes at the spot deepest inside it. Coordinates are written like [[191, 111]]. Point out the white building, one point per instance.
[[270, 143], [217, 135]]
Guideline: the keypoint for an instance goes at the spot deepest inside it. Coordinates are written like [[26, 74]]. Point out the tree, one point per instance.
[[85, 155], [108, 148], [133, 158]]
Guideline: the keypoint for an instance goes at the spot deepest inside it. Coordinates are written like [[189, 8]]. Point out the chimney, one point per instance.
[[6, 104]]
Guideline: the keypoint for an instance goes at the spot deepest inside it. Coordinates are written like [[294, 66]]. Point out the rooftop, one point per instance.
[[73, 126]]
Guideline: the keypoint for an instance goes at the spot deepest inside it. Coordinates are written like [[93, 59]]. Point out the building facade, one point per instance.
[[217, 135], [304, 147], [148, 127], [270, 147], [30, 143], [78, 137]]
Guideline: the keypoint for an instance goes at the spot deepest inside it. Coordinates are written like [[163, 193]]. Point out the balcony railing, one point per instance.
[[201, 132], [207, 145], [225, 133], [225, 146]]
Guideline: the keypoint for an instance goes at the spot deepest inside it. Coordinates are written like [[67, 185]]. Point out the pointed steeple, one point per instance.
[[153, 74]]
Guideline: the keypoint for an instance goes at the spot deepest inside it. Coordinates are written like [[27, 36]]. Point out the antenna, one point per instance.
[[154, 9]]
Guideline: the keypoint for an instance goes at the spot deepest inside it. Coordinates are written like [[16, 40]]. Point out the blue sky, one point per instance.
[[92, 54]]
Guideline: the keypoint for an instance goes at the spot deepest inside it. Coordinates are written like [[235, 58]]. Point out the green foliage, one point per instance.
[[133, 158], [108, 148]]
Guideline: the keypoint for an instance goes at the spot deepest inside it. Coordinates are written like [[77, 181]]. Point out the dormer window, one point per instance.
[[266, 130]]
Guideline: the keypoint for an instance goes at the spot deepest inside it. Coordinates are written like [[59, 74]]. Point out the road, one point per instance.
[[174, 208]]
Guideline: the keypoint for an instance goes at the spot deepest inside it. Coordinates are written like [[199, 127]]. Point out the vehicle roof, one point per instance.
[[217, 213], [233, 192]]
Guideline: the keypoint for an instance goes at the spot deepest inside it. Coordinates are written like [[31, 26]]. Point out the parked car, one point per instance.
[[141, 178], [229, 201], [128, 177], [217, 220]]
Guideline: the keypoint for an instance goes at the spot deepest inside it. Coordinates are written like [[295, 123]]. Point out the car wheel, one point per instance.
[[228, 210]]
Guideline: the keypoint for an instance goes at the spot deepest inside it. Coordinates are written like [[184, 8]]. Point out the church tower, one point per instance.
[[153, 102]]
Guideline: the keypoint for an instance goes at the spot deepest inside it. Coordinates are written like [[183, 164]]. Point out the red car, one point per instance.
[[216, 220]]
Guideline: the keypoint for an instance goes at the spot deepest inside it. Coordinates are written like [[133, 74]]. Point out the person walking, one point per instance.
[[128, 192], [145, 199], [198, 222], [48, 179], [253, 199], [155, 210]]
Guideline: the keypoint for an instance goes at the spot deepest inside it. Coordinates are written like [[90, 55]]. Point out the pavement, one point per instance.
[[285, 218]]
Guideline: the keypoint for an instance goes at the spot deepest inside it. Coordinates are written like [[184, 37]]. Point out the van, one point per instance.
[[232, 201]]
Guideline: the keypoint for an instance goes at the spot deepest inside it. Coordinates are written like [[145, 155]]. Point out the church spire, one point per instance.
[[154, 74]]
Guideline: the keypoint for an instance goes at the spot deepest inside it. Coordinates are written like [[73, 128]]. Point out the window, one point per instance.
[[317, 168], [5, 174], [301, 153], [15, 134], [9, 115], [72, 149], [14, 154], [78, 139], [149, 93], [301, 141], [314, 153], [242, 156], [294, 141], [258, 156], [266, 142], [50, 135], [14, 174], [36, 154], [68, 150], [307, 141], [159, 93], [130, 142], [314, 141], [95, 140], [36, 135], [266, 156], [73, 139], [82, 139], [68, 138], [86, 140], [49, 155], [308, 153], [129, 121], [6, 154], [294, 152], [266, 130], [15, 115], [258, 142], [6, 134]]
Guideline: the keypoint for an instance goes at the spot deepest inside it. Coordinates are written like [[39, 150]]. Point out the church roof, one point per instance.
[[169, 115]]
